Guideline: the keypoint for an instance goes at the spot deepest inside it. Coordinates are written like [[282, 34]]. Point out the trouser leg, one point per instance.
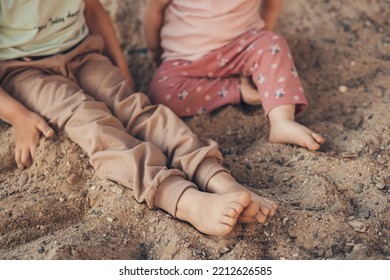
[[213, 80], [114, 153], [267, 59], [151, 123]]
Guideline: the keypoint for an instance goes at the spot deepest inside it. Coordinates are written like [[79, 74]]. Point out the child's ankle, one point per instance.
[[222, 182], [282, 113], [207, 170]]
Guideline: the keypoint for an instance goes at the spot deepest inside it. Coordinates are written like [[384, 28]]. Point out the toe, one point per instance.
[[238, 209], [244, 199], [223, 230], [246, 219], [231, 213], [311, 144], [271, 206], [251, 210], [318, 138], [266, 211], [260, 218], [274, 207], [226, 220]]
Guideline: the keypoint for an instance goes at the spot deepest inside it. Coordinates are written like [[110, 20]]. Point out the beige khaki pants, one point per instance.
[[141, 146]]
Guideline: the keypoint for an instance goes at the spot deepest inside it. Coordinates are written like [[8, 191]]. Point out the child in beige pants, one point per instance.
[[86, 92]]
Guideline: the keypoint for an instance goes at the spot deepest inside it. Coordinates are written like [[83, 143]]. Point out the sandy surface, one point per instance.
[[334, 203]]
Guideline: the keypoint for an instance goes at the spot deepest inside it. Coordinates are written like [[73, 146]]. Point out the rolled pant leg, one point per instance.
[[150, 123], [113, 152]]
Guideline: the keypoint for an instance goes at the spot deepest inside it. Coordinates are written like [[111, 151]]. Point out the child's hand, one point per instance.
[[27, 129]]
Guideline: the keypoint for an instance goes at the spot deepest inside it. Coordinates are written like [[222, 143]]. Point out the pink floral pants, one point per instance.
[[194, 87]]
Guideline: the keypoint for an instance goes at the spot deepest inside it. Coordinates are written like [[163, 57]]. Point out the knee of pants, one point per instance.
[[94, 128], [275, 41], [91, 111], [174, 93]]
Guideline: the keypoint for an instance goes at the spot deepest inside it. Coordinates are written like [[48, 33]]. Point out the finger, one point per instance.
[[33, 150], [45, 128], [49, 133], [18, 155], [25, 157]]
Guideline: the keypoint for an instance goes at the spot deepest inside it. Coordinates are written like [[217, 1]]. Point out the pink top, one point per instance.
[[194, 28]]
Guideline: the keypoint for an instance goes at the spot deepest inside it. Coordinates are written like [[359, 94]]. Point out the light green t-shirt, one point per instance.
[[40, 27]]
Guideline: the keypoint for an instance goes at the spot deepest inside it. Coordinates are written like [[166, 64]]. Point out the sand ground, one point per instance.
[[334, 203]]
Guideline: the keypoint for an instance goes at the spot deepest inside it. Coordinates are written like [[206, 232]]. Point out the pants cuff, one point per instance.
[[169, 193], [207, 169]]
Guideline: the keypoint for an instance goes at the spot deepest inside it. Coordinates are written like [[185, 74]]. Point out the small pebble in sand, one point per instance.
[[22, 180], [322, 235], [342, 187], [381, 186], [359, 226], [343, 89], [117, 189], [73, 179], [320, 252], [225, 250], [379, 93], [358, 187]]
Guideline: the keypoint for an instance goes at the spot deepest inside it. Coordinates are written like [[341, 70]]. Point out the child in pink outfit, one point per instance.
[[217, 52]]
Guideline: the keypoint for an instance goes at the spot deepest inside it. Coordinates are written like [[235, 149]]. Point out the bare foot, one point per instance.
[[249, 92], [259, 209], [291, 132], [285, 130], [212, 214]]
